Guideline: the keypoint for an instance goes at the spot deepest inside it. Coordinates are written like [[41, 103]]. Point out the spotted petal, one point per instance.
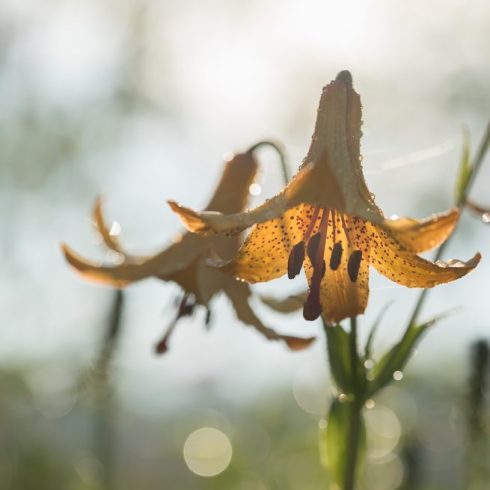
[[399, 264], [422, 235]]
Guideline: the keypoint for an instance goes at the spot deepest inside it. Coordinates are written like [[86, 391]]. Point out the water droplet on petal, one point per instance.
[[255, 189], [115, 229]]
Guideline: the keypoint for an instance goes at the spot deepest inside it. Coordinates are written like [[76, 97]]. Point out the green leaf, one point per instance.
[[397, 357], [465, 170], [343, 418]]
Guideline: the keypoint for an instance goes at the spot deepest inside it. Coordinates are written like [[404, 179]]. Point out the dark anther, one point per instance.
[[295, 261], [336, 256], [186, 308], [346, 77], [354, 264], [313, 246], [162, 346], [312, 308]]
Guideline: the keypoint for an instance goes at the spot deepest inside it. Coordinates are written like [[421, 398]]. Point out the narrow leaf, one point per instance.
[[465, 169], [374, 328], [397, 357]]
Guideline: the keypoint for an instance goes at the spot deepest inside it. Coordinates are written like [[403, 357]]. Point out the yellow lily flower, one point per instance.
[[183, 262], [327, 221]]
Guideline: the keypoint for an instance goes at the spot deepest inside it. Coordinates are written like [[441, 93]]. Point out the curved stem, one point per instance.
[[280, 150]]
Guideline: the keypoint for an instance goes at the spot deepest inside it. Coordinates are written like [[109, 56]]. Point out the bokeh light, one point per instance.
[[207, 451]]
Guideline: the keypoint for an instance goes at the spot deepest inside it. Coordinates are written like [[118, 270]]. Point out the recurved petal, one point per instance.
[[264, 254], [239, 294], [116, 276], [110, 241], [207, 222], [422, 235], [163, 264], [232, 192], [395, 261]]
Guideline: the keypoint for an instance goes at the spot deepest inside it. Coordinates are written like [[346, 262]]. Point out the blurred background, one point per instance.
[[139, 100]]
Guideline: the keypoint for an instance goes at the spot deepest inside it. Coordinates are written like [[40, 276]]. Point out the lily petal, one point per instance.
[[239, 294], [232, 192], [264, 254], [110, 241], [422, 235], [399, 264], [163, 264], [287, 305]]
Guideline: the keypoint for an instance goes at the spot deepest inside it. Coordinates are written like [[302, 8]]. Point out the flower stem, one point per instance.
[[355, 413], [353, 445], [280, 150], [353, 347], [477, 163]]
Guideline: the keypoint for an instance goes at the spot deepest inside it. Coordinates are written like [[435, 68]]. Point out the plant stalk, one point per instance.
[[355, 413]]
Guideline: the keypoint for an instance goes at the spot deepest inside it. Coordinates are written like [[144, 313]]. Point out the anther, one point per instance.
[[336, 256], [312, 247], [295, 261], [354, 265]]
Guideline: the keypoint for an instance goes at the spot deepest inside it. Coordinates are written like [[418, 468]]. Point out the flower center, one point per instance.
[[313, 245]]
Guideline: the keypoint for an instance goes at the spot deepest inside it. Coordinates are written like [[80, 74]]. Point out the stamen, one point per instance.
[[312, 224], [354, 265], [295, 261], [312, 247], [346, 231], [297, 254], [336, 256], [185, 309]]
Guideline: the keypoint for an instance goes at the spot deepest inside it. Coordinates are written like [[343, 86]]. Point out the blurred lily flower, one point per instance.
[[183, 262], [327, 221]]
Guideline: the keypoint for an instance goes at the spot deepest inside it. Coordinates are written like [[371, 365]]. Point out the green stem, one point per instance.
[[353, 445], [355, 413], [477, 163], [353, 349]]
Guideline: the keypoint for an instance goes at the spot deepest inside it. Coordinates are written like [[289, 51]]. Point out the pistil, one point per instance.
[[312, 308]]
